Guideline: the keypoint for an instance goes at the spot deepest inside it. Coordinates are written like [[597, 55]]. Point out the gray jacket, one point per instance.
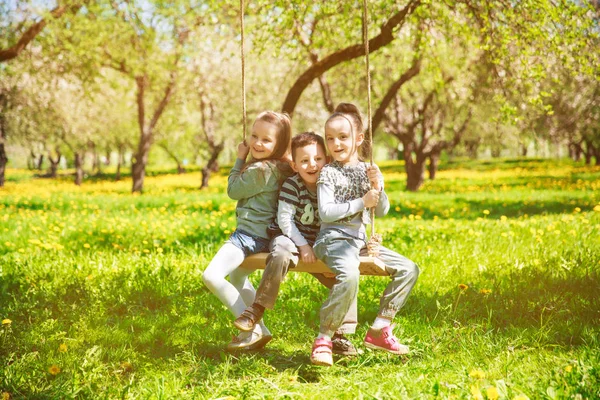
[[256, 189]]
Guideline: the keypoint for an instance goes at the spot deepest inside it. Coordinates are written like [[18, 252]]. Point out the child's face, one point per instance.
[[263, 139], [308, 162], [342, 146]]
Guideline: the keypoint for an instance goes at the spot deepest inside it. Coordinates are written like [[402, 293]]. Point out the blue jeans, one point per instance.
[[248, 243]]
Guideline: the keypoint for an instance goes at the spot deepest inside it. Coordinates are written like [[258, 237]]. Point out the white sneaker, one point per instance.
[[253, 340]]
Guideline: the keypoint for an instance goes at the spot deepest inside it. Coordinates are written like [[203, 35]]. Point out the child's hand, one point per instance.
[[307, 255], [375, 177], [243, 150], [371, 198]]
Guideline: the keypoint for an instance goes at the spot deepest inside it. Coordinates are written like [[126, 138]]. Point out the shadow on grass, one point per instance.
[[562, 309]]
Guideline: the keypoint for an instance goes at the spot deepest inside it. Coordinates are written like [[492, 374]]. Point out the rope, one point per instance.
[[366, 43], [375, 240], [243, 69]]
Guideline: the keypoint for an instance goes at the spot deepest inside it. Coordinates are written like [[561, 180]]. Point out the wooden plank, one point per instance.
[[368, 265]]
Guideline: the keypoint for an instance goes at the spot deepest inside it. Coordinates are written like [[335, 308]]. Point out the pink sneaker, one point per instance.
[[321, 352], [384, 339]]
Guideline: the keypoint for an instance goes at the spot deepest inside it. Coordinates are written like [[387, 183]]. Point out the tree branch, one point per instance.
[[33, 31], [346, 54]]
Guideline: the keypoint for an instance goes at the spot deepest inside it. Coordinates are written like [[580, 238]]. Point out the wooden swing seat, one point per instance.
[[368, 266]]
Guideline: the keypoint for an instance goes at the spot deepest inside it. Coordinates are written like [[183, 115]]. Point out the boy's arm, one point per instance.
[[285, 219], [242, 185], [329, 210]]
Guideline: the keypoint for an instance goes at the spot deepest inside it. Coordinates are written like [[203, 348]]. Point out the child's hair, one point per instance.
[[304, 139], [283, 123], [284, 131], [350, 113]]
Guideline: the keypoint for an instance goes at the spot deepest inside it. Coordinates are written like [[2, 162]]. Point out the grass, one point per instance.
[[105, 299]]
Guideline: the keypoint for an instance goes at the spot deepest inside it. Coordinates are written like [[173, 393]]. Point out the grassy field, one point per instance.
[[101, 293]]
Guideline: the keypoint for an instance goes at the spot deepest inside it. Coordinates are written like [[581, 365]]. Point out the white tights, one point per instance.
[[238, 293]]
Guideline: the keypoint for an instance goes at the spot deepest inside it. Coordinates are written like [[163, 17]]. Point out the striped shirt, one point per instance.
[[306, 216]]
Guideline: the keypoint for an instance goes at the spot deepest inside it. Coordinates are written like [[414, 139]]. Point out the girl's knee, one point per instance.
[[210, 278]]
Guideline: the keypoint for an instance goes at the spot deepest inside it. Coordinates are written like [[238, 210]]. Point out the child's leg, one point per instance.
[[404, 274], [283, 253], [239, 279], [351, 318], [228, 258], [341, 256]]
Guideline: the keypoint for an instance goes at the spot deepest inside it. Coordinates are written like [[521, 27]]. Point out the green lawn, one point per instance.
[[102, 296]]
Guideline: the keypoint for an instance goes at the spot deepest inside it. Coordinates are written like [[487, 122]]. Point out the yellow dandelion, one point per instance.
[[5, 396], [62, 348], [476, 393], [86, 245], [569, 368], [477, 374], [485, 291], [54, 369], [486, 212], [6, 321], [521, 397], [577, 209], [463, 287], [159, 250], [492, 393], [597, 208]]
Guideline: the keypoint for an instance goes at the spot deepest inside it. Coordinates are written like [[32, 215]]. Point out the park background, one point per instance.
[[119, 120]]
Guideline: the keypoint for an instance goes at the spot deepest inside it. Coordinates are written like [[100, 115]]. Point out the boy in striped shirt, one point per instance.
[[298, 223]]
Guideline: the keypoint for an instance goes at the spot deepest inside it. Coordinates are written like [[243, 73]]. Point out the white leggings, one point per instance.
[[238, 293]]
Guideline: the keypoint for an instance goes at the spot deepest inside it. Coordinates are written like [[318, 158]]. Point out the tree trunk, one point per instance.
[[3, 157], [472, 148], [211, 166], [78, 168], [596, 151], [588, 153], [3, 162], [40, 162], [120, 160], [414, 170], [96, 163], [434, 162], [575, 151], [524, 150], [138, 167], [53, 165], [107, 161]]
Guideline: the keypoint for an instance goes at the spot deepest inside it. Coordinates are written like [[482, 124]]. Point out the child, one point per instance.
[[344, 195], [299, 224], [256, 186]]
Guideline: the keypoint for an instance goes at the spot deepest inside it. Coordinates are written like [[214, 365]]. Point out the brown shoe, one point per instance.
[[249, 318], [343, 346]]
